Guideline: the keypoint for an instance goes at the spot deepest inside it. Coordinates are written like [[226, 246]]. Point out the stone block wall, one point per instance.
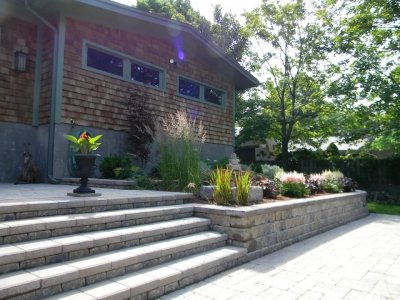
[[266, 228]]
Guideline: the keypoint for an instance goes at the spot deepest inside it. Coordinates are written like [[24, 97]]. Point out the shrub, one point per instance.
[[222, 163], [332, 175], [332, 150], [348, 184], [270, 171], [293, 189], [256, 167], [221, 179], [315, 183], [109, 163], [332, 187], [269, 187], [141, 124], [243, 182], [179, 140], [292, 185]]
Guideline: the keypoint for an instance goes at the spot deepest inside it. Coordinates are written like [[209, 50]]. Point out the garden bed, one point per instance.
[[268, 227]]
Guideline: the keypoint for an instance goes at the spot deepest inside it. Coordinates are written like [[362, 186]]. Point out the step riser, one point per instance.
[[25, 210], [68, 256], [49, 233], [107, 275]]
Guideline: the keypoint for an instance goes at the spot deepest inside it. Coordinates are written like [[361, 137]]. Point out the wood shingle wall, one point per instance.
[[16, 89], [94, 99]]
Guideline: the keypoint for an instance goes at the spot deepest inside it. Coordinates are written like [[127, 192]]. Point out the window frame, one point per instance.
[[127, 60], [202, 86]]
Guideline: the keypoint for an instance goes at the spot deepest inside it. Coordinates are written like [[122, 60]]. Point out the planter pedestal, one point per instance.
[[85, 164]]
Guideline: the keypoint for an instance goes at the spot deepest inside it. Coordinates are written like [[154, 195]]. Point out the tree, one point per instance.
[[225, 32], [292, 106], [366, 87]]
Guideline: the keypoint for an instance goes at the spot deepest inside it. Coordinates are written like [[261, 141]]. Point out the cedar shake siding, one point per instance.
[[104, 48], [94, 99], [16, 89]]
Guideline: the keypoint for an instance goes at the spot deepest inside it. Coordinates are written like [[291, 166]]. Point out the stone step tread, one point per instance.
[[63, 244], [62, 221], [25, 205], [46, 276], [140, 282]]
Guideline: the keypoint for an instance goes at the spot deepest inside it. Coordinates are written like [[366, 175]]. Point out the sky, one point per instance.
[[205, 8]]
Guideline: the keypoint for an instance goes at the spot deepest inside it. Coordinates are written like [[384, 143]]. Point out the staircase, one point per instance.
[[138, 247]]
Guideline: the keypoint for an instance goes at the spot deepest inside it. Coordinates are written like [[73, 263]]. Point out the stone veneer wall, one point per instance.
[[266, 228]]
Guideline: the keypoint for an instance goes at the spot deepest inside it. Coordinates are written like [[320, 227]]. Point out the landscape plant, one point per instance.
[[270, 171], [221, 180], [179, 139], [315, 183], [292, 185], [243, 184], [84, 144]]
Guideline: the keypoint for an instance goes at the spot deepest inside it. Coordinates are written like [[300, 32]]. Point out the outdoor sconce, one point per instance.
[[172, 62], [20, 59]]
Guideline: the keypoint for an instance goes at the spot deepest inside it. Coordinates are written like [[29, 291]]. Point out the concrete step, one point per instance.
[[38, 282], [30, 254], [156, 281], [17, 207], [46, 227]]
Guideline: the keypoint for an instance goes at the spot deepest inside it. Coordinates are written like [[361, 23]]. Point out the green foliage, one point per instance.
[[179, 139], [270, 171], [332, 150], [143, 182], [330, 176], [84, 144], [256, 167], [141, 124], [243, 182], [292, 107], [222, 163], [333, 187], [293, 189], [117, 166], [109, 163], [221, 180], [126, 167], [366, 41], [225, 31], [380, 208]]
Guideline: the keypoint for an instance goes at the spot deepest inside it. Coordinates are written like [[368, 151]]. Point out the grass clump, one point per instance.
[[221, 180], [179, 139], [243, 183]]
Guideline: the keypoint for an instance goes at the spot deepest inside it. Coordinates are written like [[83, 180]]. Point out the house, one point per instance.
[[253, 151], [81, 56]]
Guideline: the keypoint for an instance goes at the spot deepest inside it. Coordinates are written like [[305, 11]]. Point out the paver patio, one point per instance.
[[360, 260]]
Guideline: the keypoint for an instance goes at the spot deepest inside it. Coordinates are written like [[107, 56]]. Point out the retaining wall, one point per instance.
[[266, 228]]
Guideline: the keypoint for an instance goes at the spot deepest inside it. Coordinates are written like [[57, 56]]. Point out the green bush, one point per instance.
[[270, 171], [256, 167], [293, 189], [332, 187], [109, 163], [222, 163], [143, 182], [243, 182]]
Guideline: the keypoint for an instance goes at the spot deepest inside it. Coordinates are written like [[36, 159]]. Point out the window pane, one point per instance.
[[213, 96], [145, 75], [189, 89], [105, 62]]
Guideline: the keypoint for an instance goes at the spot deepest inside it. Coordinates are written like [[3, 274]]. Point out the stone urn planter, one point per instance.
[[85, 165]]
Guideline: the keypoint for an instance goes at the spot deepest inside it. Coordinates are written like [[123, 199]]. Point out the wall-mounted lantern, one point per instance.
[[20, 59], [173, 63]]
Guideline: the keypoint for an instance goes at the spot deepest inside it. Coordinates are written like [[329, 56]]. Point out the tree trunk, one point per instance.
[[285, 154]]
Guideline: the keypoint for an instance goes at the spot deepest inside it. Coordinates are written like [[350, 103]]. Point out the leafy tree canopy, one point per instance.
[[225, 32], [291, 105], [366, 35]]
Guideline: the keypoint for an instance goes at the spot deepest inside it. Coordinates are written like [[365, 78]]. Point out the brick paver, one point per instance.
[[360, 260]]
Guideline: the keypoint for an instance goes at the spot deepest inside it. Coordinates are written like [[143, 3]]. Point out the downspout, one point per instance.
[[50, 154]]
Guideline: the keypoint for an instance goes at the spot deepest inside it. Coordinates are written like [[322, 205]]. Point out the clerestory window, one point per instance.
[[194, 90], [113, 63]]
